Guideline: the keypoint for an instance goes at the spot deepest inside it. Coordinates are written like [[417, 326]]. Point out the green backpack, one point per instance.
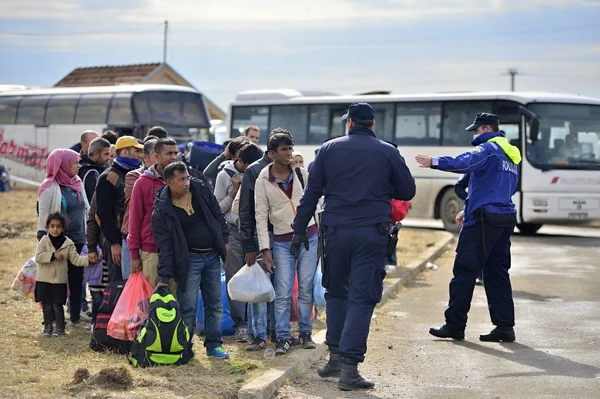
[[163, 339]]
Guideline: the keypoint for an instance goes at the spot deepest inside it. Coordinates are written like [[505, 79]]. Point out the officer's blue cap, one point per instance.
[[360, 112], [483, 119]]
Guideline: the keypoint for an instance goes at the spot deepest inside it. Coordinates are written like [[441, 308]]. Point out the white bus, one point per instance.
[[559, 137], [33, 122]]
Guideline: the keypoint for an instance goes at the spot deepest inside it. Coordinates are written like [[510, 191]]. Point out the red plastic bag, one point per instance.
[[399, 210], [295, 309], [131, 309]]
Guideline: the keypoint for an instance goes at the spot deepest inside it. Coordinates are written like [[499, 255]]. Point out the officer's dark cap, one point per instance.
[[360, 112], [483, 119]]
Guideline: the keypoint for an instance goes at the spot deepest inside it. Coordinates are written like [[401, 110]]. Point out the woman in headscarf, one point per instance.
[[62, 191]]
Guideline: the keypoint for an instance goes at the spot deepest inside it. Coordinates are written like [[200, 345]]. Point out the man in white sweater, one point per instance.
[[226, 187], [278, 191]]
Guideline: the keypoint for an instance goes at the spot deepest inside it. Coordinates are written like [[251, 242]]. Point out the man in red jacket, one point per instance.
[[144, 255]]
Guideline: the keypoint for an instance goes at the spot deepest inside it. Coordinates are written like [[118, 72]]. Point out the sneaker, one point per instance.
[[283, 346], [257, 344], [59, 333], [218, 352], [47, 333], [296, 341], [85, 317], [306, 341], [241, 335], [79, 324]]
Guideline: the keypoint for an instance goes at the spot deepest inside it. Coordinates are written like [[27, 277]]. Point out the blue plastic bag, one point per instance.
[[226, 321], [318, 290]]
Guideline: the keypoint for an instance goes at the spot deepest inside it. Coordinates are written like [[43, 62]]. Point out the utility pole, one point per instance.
[[512, 73], [165, 42]]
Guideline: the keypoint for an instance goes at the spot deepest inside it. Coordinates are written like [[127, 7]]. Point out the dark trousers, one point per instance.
[[114, 271], [478, 249], [353, 276], [96, 302], [53, 311], [75, 274], [234, 262]]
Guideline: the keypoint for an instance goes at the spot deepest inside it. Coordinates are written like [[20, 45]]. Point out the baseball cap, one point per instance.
[[483, 119], [128, 141], [360, 112]]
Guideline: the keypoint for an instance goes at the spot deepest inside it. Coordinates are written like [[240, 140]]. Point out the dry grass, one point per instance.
[[36, 367]]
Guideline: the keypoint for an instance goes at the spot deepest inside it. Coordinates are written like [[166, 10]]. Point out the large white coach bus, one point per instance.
[[559, 137], [33, 122]]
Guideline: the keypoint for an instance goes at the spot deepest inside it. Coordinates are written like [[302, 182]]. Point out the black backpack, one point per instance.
[[101, 341], [163, 339]]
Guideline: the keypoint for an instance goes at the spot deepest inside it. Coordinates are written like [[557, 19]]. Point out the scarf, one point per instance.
[[57, 242], [58, 168], [128, 163]]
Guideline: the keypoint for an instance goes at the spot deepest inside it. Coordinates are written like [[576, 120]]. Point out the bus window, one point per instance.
[[384, 121], [338, 126], [8, 110], [171, 108], [293, 118], [318, 130], [120, 110], [242, 117], [32, 110], [61, 109], [418, 124], [457, 116], [92, 108]]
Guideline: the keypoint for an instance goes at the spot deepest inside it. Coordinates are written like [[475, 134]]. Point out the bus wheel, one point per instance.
[[529, 228], [450, 205]]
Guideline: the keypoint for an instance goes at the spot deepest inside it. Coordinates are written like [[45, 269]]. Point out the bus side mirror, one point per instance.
[[534, 129]]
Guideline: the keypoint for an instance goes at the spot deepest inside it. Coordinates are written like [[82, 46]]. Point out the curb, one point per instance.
[[300, 361]]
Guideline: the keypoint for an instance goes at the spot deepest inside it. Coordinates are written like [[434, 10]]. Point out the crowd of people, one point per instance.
[[145, 210]]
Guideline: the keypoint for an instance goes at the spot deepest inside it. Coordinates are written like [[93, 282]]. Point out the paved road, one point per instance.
[[556, 282]]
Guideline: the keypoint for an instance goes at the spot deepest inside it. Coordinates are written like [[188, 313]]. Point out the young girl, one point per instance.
[[53, 251]]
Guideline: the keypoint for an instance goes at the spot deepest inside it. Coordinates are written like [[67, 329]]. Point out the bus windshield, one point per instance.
[[569, 137], [170, 108]]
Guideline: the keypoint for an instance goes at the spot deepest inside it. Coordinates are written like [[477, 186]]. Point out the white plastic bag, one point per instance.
[[252, 285]]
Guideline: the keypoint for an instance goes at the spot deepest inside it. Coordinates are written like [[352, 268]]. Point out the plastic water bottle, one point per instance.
[[269, 354]]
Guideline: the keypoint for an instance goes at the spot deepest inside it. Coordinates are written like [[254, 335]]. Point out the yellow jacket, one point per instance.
[[55, 271]]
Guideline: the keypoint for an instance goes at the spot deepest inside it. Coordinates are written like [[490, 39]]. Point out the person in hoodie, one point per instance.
[[110, 201], [488, 220], [226, 188], [144, 255], [148, 159]]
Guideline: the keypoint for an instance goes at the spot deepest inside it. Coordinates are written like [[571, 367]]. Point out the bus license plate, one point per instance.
[[578, 216]]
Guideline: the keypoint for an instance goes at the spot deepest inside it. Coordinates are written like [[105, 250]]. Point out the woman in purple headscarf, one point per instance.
[[62, 191]]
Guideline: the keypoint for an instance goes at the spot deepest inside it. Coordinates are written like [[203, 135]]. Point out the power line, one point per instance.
[[92, 33]]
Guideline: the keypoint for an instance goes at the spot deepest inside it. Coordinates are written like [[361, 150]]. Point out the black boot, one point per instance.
[[499, 334], [446, 332], [350, 379], [333, 366]]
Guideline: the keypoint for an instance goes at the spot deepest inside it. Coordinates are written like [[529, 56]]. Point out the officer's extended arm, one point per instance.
[[312, 194], [467, 162]]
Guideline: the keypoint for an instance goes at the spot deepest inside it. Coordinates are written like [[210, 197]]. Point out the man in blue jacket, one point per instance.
[[488, 220], [355, 223]]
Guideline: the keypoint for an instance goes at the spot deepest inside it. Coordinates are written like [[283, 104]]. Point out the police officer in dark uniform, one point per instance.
[[355, 226], [488, 220]]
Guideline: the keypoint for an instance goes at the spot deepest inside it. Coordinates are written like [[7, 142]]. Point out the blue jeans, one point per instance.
[[285, 271], [259, 320], [125, 260], [204, 274]]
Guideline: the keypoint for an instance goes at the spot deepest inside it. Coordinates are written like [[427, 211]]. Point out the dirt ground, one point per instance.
[[36, 367]]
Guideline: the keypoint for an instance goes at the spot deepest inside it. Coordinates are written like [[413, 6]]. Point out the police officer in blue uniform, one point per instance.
[[355, 225], [488, 220]]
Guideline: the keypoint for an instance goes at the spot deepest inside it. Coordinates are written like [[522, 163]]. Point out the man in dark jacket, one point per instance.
[[191, 236], [110, 199], [92, 165], [356, 224]]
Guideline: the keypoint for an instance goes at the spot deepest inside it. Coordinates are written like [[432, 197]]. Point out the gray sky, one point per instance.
[[346, 46]]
